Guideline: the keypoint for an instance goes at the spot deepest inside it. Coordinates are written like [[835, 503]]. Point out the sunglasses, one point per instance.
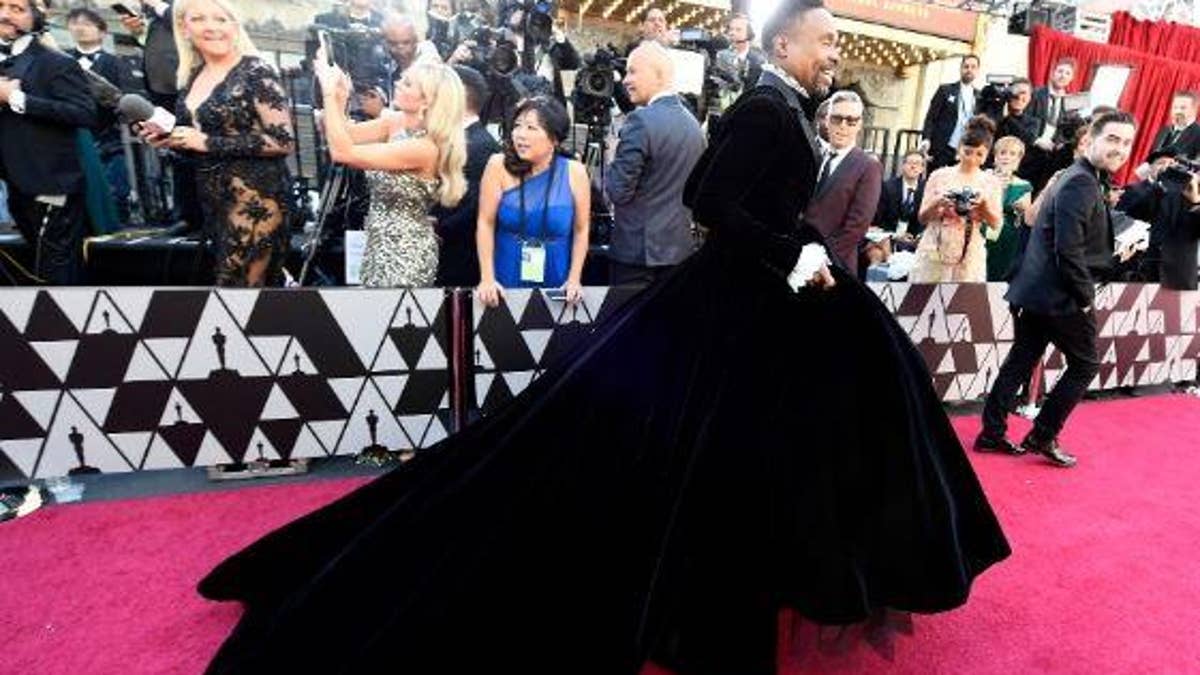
[[848, 120]]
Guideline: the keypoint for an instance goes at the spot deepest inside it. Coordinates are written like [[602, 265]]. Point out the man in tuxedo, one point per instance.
[[756, 178], [1182, 135], [88, 30], [1052, 294], [742, 60], [946, 120], [1018, 120], [659, 144], [900, 199], [44, 98], [458, 261], [1047, 102], [848, 183]]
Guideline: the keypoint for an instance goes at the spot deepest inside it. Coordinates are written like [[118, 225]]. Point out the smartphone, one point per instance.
[[125, 11], [323, 40]]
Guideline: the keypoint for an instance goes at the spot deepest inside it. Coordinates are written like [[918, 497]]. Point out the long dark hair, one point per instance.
[[552, 117]]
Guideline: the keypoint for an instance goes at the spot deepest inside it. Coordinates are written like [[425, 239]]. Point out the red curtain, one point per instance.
[[1161, 38], [1148, 91]]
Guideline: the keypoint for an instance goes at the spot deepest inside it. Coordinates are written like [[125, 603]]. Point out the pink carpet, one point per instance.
[[1103, 578]]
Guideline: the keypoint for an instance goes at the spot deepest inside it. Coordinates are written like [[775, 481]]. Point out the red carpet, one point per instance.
[[1102, 580]]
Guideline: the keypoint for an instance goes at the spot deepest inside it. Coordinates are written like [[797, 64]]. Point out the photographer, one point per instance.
[[743, 60], [405, 45], [1168, 200], [1019, 120], [653, 28]]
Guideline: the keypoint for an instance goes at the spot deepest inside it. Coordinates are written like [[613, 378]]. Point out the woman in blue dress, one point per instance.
[[534, 205]]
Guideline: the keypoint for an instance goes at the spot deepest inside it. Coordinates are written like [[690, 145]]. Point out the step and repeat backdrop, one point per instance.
[[129, 379]]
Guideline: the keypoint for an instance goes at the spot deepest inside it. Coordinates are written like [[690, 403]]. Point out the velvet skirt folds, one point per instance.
[[719, 449]]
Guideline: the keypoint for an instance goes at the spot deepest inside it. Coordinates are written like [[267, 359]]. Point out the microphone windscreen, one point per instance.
[[135, 108]]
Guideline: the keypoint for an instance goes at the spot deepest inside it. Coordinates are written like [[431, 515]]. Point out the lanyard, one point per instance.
[[545, 202]]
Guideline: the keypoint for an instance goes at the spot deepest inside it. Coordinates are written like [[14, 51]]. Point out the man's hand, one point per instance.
[[7, 87], [823, 279], [1191, 191], [134, 24]]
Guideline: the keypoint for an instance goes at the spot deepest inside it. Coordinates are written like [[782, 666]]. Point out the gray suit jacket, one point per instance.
[[843, 206], [659, 145]]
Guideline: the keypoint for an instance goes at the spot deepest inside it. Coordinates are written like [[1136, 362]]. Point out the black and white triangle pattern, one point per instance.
[[130, 379]]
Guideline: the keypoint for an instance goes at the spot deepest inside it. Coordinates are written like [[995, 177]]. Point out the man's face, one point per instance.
[[15, 18], [84, 33], [808, 51], [654, 26], [1020, 99], [401, 41], [968, 70], [1183, 111], [441, 8], [1062, 76], [1110, 148], [845, 119], [913, 167], [642, 79], [739, 31], [360, 6]]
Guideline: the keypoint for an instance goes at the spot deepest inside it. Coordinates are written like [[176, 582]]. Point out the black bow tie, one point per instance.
[[5, 50]]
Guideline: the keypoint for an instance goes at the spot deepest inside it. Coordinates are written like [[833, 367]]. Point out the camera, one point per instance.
[[1180, 173], [359, 51], [964, 200], [992, 99], [594, 86]]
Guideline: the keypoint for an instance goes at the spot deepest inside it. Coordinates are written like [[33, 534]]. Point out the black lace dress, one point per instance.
[[242, 180]]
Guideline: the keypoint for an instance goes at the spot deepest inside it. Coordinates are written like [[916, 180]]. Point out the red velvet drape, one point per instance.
[[1162, 38], [1152, 80]]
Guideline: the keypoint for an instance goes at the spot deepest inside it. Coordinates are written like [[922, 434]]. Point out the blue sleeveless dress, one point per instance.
[[554, 230]]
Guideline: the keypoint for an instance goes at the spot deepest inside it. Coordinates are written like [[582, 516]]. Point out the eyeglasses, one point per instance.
[[848, 120]]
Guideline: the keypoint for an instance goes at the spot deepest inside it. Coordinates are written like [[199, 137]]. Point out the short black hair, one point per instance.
[[785, 14], [1187, 93], [1112, 117], [475, 86], [89, 16]]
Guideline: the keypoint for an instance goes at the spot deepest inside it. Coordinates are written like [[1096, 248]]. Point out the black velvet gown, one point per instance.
[[714, 453]]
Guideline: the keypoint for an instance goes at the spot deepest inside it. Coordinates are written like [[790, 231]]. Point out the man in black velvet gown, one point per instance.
[[733, 191]]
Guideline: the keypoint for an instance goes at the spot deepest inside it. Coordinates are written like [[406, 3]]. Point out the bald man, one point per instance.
[[659, 144], [405, 44]]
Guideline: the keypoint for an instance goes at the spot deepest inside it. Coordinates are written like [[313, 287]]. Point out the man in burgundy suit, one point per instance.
[[848, 184]]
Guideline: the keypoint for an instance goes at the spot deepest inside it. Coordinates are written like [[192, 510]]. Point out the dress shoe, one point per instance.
[[987, 443], [1050, 449]]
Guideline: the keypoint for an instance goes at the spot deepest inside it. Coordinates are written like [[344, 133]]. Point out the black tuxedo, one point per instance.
[[940, 121], [1052, 293], [752, 204], [117, 72], [1186, 142], [38, 157], [892, 208], [160, 58], [458, 261]]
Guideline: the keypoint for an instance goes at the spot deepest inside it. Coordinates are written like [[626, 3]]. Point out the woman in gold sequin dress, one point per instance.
[[414, 157]]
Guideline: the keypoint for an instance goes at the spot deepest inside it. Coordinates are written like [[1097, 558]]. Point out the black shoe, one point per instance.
[[987, 443], [1050, 449]]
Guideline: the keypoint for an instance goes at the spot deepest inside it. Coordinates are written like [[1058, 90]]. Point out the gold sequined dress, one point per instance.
[[402, 249]]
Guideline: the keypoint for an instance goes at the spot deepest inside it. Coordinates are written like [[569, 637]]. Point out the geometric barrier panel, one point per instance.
[[127, 379]]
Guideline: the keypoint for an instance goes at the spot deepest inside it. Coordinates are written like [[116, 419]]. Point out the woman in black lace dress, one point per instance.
[[233, 122]]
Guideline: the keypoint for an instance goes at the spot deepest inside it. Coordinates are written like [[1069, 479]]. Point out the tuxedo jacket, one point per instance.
[[890, 210], [458, 262], [843, 207], [1188, 142], [159, 55], [942, 116], [1070, 247], [1174, 231], [753, 183], [37, 148]]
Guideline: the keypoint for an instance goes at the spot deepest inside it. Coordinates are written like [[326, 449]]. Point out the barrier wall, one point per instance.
[[145, 378]]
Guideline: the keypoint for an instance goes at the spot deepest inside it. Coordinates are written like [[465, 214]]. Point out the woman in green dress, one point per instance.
[[1003, 243]]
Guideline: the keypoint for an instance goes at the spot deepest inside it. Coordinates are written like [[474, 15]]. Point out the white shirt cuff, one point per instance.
[[812, 258], [16, 101]]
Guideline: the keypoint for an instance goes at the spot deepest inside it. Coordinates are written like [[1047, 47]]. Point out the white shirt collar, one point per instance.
[[92, 52], [786, 77], [661, 94], [20, 45]]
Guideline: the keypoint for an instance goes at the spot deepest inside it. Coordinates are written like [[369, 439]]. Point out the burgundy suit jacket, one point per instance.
[[844, 206]]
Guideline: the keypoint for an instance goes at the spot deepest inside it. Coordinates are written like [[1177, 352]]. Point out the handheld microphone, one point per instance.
[[137, 109]]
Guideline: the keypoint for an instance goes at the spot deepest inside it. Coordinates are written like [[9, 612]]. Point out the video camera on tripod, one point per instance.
[[594, 86]]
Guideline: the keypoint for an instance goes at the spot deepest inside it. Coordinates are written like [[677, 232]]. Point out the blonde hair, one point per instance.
[[446, 100], [189, 56], [1011, 143]]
